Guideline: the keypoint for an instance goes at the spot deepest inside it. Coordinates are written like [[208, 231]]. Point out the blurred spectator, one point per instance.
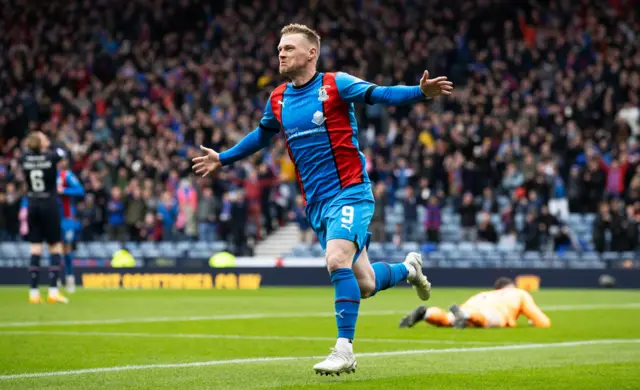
[[603, 228], [410, 208], [486, 230], [168, 212], [468, 212], [299, 215], [378, 220], [432, 220], [206, 214], [116, 228]]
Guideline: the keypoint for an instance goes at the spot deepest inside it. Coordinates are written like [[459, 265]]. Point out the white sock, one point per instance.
[[343, 344], [34, 293], [53, 291], [412, 272]]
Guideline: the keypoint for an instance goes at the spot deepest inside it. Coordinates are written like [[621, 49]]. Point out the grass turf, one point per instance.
[[216, 338]]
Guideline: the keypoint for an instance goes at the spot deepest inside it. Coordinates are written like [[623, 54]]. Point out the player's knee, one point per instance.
[[56, 248], [367, 287], [337, 259], [36, 249]]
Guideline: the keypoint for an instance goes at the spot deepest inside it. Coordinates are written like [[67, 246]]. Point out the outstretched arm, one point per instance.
[[535, 315], [72, 185], [353, 89], [254, 141]]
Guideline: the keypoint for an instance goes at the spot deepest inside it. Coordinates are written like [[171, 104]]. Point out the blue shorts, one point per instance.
[[70, 229], [346, 215]]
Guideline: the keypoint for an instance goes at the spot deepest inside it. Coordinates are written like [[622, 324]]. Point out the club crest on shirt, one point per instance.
[[322, 93], [318, 118]]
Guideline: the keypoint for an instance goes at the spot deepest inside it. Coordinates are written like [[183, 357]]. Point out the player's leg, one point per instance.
[[339, 257], [379, 276], [69, 234], [35, 238], [53, 236], [432, 315]]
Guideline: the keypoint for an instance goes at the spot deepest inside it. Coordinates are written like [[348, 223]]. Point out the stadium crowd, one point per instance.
[[546, 112]]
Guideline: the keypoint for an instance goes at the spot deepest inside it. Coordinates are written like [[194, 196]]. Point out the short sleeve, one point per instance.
[[353, 89], [269, 121]]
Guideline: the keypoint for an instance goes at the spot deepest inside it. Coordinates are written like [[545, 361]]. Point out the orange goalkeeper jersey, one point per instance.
[[510, 302]]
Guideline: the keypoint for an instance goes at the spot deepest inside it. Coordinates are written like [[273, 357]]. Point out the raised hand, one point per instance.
[[208, 163], [435, 87]]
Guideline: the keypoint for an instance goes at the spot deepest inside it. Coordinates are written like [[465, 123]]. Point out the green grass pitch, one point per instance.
[[271, 337]]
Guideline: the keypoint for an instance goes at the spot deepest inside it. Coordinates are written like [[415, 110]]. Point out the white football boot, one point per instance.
[[338, 362], [71, 284], [417, 279]]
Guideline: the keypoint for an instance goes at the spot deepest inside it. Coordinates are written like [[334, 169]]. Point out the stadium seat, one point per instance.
[[183, 246], [24, 248], [112, 246], [410, 247], [485, 247], [10, 249], [436, 257], [150, 249], [168, 249], [81, 251], [97, 249], [493, 260], [217, 246], [446, 247], [467, 246], [610, 256], [590, 257], [570, 256]]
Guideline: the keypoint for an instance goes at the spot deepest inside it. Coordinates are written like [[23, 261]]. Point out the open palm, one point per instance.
[[204, 165], [435, 87]]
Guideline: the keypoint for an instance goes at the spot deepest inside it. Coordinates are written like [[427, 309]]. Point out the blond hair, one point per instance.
[[309, 34]]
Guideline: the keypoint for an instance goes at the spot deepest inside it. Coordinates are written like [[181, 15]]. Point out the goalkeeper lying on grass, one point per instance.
[[499, 308]]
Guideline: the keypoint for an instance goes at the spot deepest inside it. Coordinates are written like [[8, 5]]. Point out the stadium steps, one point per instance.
[[280, 242]]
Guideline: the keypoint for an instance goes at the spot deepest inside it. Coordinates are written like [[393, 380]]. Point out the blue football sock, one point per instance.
[[347, 301], [387, 275], [68, 264]]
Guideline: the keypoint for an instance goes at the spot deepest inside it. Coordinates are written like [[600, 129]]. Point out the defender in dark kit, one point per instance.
[[41, 173]]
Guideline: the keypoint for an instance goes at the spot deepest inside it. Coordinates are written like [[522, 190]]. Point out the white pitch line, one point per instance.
[[252, 316], [217, 317], [597, 306], [234, 337], [290, 358]]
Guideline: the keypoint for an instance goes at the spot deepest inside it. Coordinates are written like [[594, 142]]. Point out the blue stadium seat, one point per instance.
[[513, 260], [570, 256], [184, 246], [493, 260], [486, 247], [589, 219], [446, 247], [217, 246], [111, 247], [629, 255], [81, 251], [24, 248], [135, 251], [150, 249], [301, 251], [97, 249], [467, 246], [410, 247], [10, 249], [575, 219], [590, 257], [168, 249], [610, 256], [316, 250]]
